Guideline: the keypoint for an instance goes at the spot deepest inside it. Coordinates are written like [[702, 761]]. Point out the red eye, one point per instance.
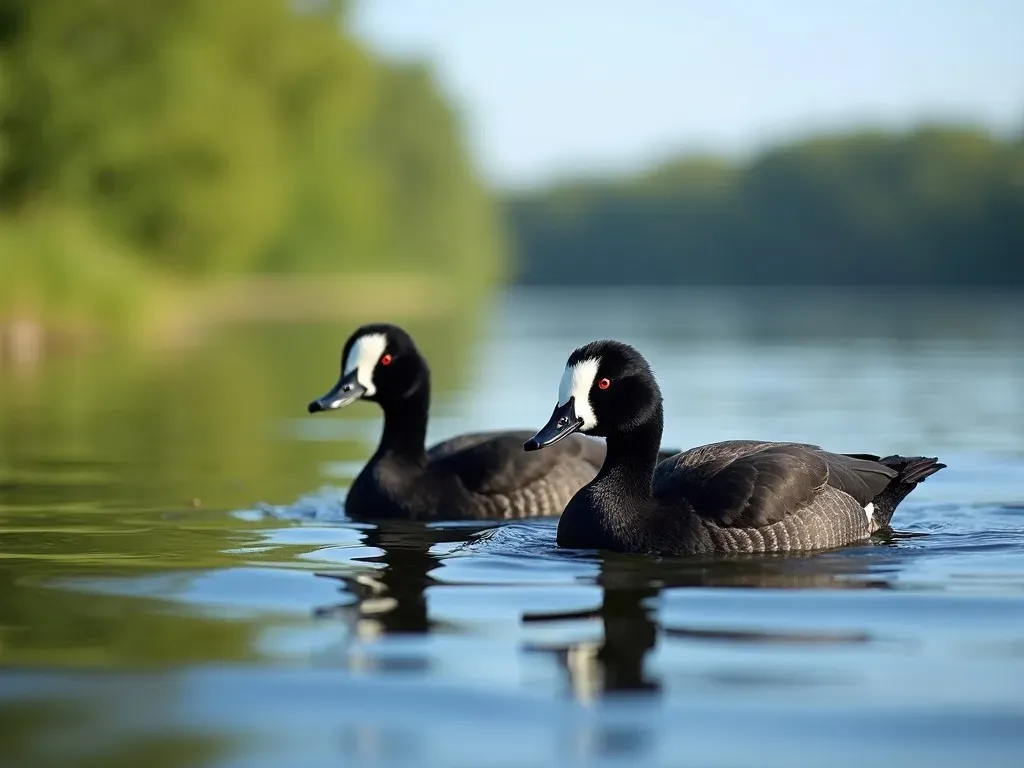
[[385, 360], [604, 384]]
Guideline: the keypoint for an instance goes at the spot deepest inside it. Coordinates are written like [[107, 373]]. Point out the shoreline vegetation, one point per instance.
[[938, 206], [169, 168], [182, 315], [168, 165]]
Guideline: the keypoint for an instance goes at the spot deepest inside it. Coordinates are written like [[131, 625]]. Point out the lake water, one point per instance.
[[179, 586]]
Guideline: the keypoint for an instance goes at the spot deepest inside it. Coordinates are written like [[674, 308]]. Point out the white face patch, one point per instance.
[[363, 357], [869, 510], [576, 383]]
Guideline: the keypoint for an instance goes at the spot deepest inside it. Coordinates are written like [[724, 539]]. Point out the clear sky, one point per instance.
[[559, 87]]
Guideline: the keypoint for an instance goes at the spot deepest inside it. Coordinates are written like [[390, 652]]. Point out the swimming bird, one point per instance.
[[733, 496], [484, 475]]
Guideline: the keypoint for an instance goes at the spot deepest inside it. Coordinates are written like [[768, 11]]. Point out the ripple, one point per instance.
[[324, 505]]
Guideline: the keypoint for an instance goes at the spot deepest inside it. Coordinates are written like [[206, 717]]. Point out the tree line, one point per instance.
[[144, 141], [938, 206]]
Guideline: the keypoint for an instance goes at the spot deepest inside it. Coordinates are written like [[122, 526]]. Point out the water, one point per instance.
[[179, 587]]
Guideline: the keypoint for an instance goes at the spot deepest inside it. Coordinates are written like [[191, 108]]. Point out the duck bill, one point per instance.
[[345, 392], [563, 422]]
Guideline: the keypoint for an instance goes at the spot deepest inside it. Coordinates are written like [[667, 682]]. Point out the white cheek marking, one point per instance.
[[869, 510], [576, 383], [363, 357]]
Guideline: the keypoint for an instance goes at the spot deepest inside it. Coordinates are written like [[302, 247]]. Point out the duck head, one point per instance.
[[607, 387], [379, 363]]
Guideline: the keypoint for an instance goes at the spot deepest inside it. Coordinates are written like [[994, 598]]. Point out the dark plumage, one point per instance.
[[474, 476], [734, 496]]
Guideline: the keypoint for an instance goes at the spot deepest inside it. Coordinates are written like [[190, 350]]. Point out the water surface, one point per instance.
[[179, 585]]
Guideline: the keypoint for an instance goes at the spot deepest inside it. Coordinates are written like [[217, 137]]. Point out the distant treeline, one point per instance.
[[145, 142], [939, 206]]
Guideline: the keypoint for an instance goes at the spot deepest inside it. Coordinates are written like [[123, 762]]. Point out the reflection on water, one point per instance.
[[177, 519], [392, 599], [630, 587]]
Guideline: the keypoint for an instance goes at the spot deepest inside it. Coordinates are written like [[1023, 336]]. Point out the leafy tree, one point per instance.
[[213, 138]]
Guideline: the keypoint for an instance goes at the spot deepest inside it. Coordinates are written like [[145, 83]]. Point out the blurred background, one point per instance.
[[810, 217], [178, 164]]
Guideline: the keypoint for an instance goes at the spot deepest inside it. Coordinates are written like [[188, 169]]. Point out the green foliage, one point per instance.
[[428, 184], [940, 206], [55, 264], [204, 139]]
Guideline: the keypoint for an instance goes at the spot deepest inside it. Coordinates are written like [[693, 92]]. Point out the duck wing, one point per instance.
[[745, 483], [494, 463]]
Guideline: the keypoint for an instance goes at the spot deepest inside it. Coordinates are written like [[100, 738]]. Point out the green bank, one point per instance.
[[161, 161]]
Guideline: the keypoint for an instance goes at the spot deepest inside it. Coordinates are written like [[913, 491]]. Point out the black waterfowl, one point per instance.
[[484, 475], [734, 496]]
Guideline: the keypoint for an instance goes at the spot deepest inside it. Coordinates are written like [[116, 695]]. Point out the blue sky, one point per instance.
[[563, 87]]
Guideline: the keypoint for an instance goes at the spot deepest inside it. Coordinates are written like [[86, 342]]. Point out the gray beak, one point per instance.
[[345, 392]]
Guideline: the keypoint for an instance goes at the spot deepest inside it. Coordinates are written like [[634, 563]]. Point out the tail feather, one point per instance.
[[911, 470]]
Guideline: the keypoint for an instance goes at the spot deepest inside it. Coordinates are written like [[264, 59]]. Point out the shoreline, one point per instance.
[[26, 339]]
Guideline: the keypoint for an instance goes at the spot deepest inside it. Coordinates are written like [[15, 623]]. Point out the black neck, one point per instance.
[[405, 425], [632, 456]]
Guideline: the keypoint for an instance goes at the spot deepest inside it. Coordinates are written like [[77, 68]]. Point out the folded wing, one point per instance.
[[753, 484]]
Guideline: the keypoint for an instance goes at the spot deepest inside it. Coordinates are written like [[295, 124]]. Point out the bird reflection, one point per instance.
[[631, 585], [392, 599]]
